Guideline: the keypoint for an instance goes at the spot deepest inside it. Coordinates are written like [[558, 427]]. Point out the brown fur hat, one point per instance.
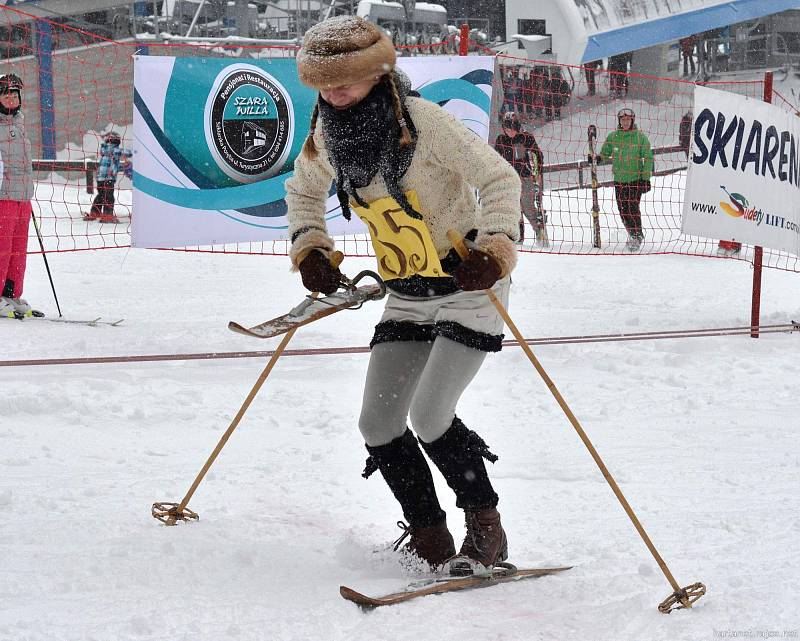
[[342, 51]]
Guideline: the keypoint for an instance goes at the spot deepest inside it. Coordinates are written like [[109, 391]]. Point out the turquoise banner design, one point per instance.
[[235, 127], [195, 96]]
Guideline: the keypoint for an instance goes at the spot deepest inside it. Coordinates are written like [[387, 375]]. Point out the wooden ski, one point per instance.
[[311, 309], [596, 242], [446, 584]]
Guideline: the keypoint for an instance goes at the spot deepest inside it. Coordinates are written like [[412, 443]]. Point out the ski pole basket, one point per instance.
[[681, 599], [171, 513]]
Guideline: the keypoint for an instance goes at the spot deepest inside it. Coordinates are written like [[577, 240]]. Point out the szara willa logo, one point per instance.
[[249, 123]]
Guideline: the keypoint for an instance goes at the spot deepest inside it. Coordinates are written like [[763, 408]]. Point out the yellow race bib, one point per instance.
[[402, 244]]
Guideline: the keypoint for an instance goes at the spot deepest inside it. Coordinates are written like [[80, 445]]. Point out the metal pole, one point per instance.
[[755, 307], [196, 15], [46, 265], [43, 46], [243, 18]]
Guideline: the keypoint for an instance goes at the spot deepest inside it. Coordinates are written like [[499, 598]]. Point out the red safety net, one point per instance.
[[93, 86], [556, 105]]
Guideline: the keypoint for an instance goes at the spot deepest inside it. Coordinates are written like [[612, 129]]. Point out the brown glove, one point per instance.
[[478, 271], [318, 274]]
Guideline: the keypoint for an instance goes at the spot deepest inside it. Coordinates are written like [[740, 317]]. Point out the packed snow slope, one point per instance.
[[700, 433]]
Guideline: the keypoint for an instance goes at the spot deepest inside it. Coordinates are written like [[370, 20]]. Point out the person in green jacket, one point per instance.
[[632, 164]]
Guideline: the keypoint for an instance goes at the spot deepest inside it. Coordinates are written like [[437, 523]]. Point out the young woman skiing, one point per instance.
[[409, 170]]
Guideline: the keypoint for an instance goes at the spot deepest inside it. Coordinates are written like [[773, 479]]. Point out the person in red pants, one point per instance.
[[16, 191]]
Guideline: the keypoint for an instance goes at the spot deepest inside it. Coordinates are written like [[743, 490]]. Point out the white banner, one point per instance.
[[215, 139], [744, 172]]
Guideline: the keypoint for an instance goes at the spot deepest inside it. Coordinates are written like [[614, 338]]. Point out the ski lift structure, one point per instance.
[[408, 23]]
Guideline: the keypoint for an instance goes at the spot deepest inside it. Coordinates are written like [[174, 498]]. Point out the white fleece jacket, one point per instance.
[[449, 163]]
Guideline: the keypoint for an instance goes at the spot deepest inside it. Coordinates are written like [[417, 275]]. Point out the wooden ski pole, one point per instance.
[[680, 597], [171, 513]]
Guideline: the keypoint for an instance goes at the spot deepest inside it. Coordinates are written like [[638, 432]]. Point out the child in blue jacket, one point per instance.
[[112, 158]]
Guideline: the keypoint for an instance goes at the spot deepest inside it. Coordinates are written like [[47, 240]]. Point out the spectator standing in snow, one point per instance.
[[522, 151], [529, 94], [540, 85], [509, 80], [404, 163], [629, 150], [618, 75], [560, 93], [685, 132], [589, 70], [112, 158], [687, 52], [16, 191]]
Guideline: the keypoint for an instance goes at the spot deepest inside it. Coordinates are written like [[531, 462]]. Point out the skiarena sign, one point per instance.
[[215, 139], [743, 182]]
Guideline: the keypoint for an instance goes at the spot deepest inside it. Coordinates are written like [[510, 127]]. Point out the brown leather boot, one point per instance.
[[484, 546], [433, 544]]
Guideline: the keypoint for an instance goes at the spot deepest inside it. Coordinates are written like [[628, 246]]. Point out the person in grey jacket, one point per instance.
[[16, 191]]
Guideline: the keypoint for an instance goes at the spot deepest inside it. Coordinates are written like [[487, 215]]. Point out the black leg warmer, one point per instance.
[[459, 455], [408, 476]]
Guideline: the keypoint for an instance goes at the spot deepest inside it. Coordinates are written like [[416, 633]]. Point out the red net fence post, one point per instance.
[[463, 42], [758, 258]]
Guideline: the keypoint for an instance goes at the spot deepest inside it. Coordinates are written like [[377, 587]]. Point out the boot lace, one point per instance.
[[474, 531], [477, 445], [370, 468], [407, 531]]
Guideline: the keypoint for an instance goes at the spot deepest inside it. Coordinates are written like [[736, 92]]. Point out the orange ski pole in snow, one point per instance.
[[171, 513], [680, 597]]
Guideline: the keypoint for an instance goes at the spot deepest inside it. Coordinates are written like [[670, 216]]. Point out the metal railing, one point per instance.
[[581, 165], [87, 166]]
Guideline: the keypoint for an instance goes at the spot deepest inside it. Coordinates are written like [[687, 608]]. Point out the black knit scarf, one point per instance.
[[364, 140]]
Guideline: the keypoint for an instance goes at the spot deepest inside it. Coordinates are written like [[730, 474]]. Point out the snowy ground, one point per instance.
[[700, 433]]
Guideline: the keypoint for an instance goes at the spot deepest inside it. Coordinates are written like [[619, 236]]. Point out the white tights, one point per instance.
[[415, 379]]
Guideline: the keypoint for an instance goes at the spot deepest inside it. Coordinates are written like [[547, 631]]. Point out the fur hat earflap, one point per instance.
[[343, 51]]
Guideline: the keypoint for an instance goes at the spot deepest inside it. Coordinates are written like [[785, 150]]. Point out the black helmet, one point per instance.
[[113, 138], [510, 121], [10, 82]]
